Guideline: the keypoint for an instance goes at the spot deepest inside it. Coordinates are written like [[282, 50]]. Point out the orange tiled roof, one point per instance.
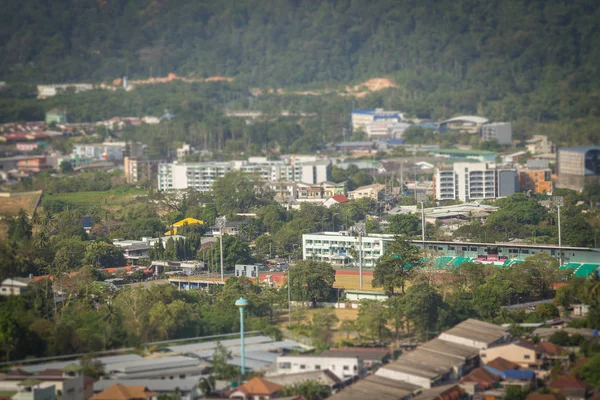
[[259, 387], [502, 364], [122, 392], [550, 348], [482, 377], [566, 382]]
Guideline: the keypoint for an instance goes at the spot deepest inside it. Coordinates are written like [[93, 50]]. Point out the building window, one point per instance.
[[346, 367], [526, 356], [302, 366], [483, 355], [317, 367], [285, 365]]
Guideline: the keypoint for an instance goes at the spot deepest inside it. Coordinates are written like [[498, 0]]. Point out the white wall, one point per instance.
[[178, 174], [335, 364], [463, 341], [403, 376]]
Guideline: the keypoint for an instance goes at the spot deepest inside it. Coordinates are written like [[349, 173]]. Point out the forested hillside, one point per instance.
[[536, 60]]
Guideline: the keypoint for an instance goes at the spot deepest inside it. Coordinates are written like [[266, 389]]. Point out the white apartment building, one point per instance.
[[200, 176], [343, 248], [475, 181], [501, 132], [342, 367]]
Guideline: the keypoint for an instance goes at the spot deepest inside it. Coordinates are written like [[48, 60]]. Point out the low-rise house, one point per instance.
[[523, 378], [187, 388], [68, 383], [571, 388], [374, 191], [478, 380], [231, 228], [32, 390], [519, 352], [119, 391], [345, 368], [255, 389], [337, 199], [543, 396], [14, 286], [500, 364]]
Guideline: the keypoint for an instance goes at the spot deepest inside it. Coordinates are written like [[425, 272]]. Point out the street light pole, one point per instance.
[[361, 230], [421, 197], [289, 285], [221, 222], [559, 201], [241, 303]]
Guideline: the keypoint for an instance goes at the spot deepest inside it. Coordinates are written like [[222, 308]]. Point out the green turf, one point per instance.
[[105, 198]]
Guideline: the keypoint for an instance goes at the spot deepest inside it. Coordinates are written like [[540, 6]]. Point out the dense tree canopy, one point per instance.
[[529, 62]]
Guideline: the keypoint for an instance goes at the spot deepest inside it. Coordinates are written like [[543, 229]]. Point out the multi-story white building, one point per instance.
[[200, 176], [475, 181], [362, 118], [112, 151], [501, 132], [343, 248]]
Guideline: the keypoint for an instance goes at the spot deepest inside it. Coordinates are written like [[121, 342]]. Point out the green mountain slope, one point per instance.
[[512, 59]]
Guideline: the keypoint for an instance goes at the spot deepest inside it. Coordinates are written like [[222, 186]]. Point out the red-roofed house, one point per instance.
[[256, 388], [502, 364], [520, 352], [567, 382], [484, 379], [543, 396], [337, 199]]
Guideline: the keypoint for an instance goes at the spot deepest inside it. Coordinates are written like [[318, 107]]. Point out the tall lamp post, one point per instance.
[[360, 229], [290, 286], [221, 222], [241, 303], [421, 197], [333, 221], [559, 201]]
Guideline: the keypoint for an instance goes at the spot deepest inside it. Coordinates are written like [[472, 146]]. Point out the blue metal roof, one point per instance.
[[522, 374], [580, 149], [366, 112]]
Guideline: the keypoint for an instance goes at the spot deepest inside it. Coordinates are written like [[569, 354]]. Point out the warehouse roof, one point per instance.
[[467, 118], [376, 387], [324, 377], [444, 347]]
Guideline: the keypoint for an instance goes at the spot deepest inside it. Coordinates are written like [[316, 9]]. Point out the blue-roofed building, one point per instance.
[[578, 166]]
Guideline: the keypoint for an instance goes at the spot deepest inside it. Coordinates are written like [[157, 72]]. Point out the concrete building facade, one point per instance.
[[475, 181], [200, 176], [501, 132], [577, 167]]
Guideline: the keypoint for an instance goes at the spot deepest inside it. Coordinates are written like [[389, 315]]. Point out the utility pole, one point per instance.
[[221, 222]]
